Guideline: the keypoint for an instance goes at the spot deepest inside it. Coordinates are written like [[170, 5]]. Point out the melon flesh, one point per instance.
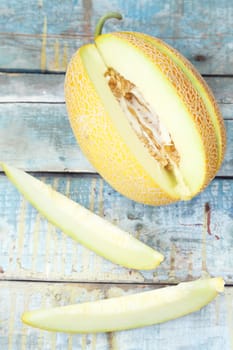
[[126, 312], [135, 66], [182, 181], [84, 226]]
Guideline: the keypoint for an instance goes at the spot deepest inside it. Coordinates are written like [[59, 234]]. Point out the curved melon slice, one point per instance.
[[82, 225], [126, 312]]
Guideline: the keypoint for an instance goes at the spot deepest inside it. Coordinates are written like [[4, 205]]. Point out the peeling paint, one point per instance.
[[40, 3], [43, 57], [203, 241], [65, 57], [56, 63], [229, 309], [172, 272]]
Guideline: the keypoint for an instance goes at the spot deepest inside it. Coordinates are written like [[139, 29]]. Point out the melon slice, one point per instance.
[[126, 312], [84, 226]]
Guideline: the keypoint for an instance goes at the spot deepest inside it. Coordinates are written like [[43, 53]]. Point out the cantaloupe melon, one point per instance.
[[144, 117]]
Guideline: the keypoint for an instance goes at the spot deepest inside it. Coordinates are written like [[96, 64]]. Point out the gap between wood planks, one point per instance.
[[57, 72], [63, 103], [133, 283], [36, 71], [38, 103], [84, 173]]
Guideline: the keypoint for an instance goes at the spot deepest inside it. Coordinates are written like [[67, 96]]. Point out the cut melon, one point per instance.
[[144, 117], [126, 312], [84, 226]]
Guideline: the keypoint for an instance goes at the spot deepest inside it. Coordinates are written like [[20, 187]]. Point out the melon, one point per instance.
[[144, 117]]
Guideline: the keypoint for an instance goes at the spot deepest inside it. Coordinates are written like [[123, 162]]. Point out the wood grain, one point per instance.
[[191, 332], [39, 265], [48, 88], [195, 237], [41, 140], [32, 37]]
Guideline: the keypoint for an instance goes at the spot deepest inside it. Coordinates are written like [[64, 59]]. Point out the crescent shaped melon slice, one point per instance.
[[126, 312], [82, 225]]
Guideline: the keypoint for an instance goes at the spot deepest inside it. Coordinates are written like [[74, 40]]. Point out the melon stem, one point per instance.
[[103, 19]]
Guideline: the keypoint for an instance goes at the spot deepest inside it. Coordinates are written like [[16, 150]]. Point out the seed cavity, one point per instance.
[[144, 120]]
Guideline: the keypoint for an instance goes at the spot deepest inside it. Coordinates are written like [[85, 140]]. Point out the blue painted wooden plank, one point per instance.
[[49, 88], [208, 329], [38, 137], [194, 236], [42, 138], [33, 38]]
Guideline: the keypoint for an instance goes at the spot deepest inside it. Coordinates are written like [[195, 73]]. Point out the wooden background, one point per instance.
[[39, 265]]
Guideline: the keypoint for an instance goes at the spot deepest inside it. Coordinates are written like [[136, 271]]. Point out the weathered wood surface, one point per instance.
[[43, 35], [38, 137], [189, 332], [49, 88], [195, 236]]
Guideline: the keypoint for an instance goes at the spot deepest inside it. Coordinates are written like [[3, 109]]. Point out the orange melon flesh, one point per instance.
[[127, 312]]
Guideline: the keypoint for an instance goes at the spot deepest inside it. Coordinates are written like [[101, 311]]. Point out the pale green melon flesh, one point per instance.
[[196, 83], [129, 311], [96, 69], [134, 66], [82, 225]]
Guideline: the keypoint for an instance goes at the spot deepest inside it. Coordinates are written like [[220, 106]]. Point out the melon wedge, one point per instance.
[[84, 226], [144, 117], [126, 312]]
